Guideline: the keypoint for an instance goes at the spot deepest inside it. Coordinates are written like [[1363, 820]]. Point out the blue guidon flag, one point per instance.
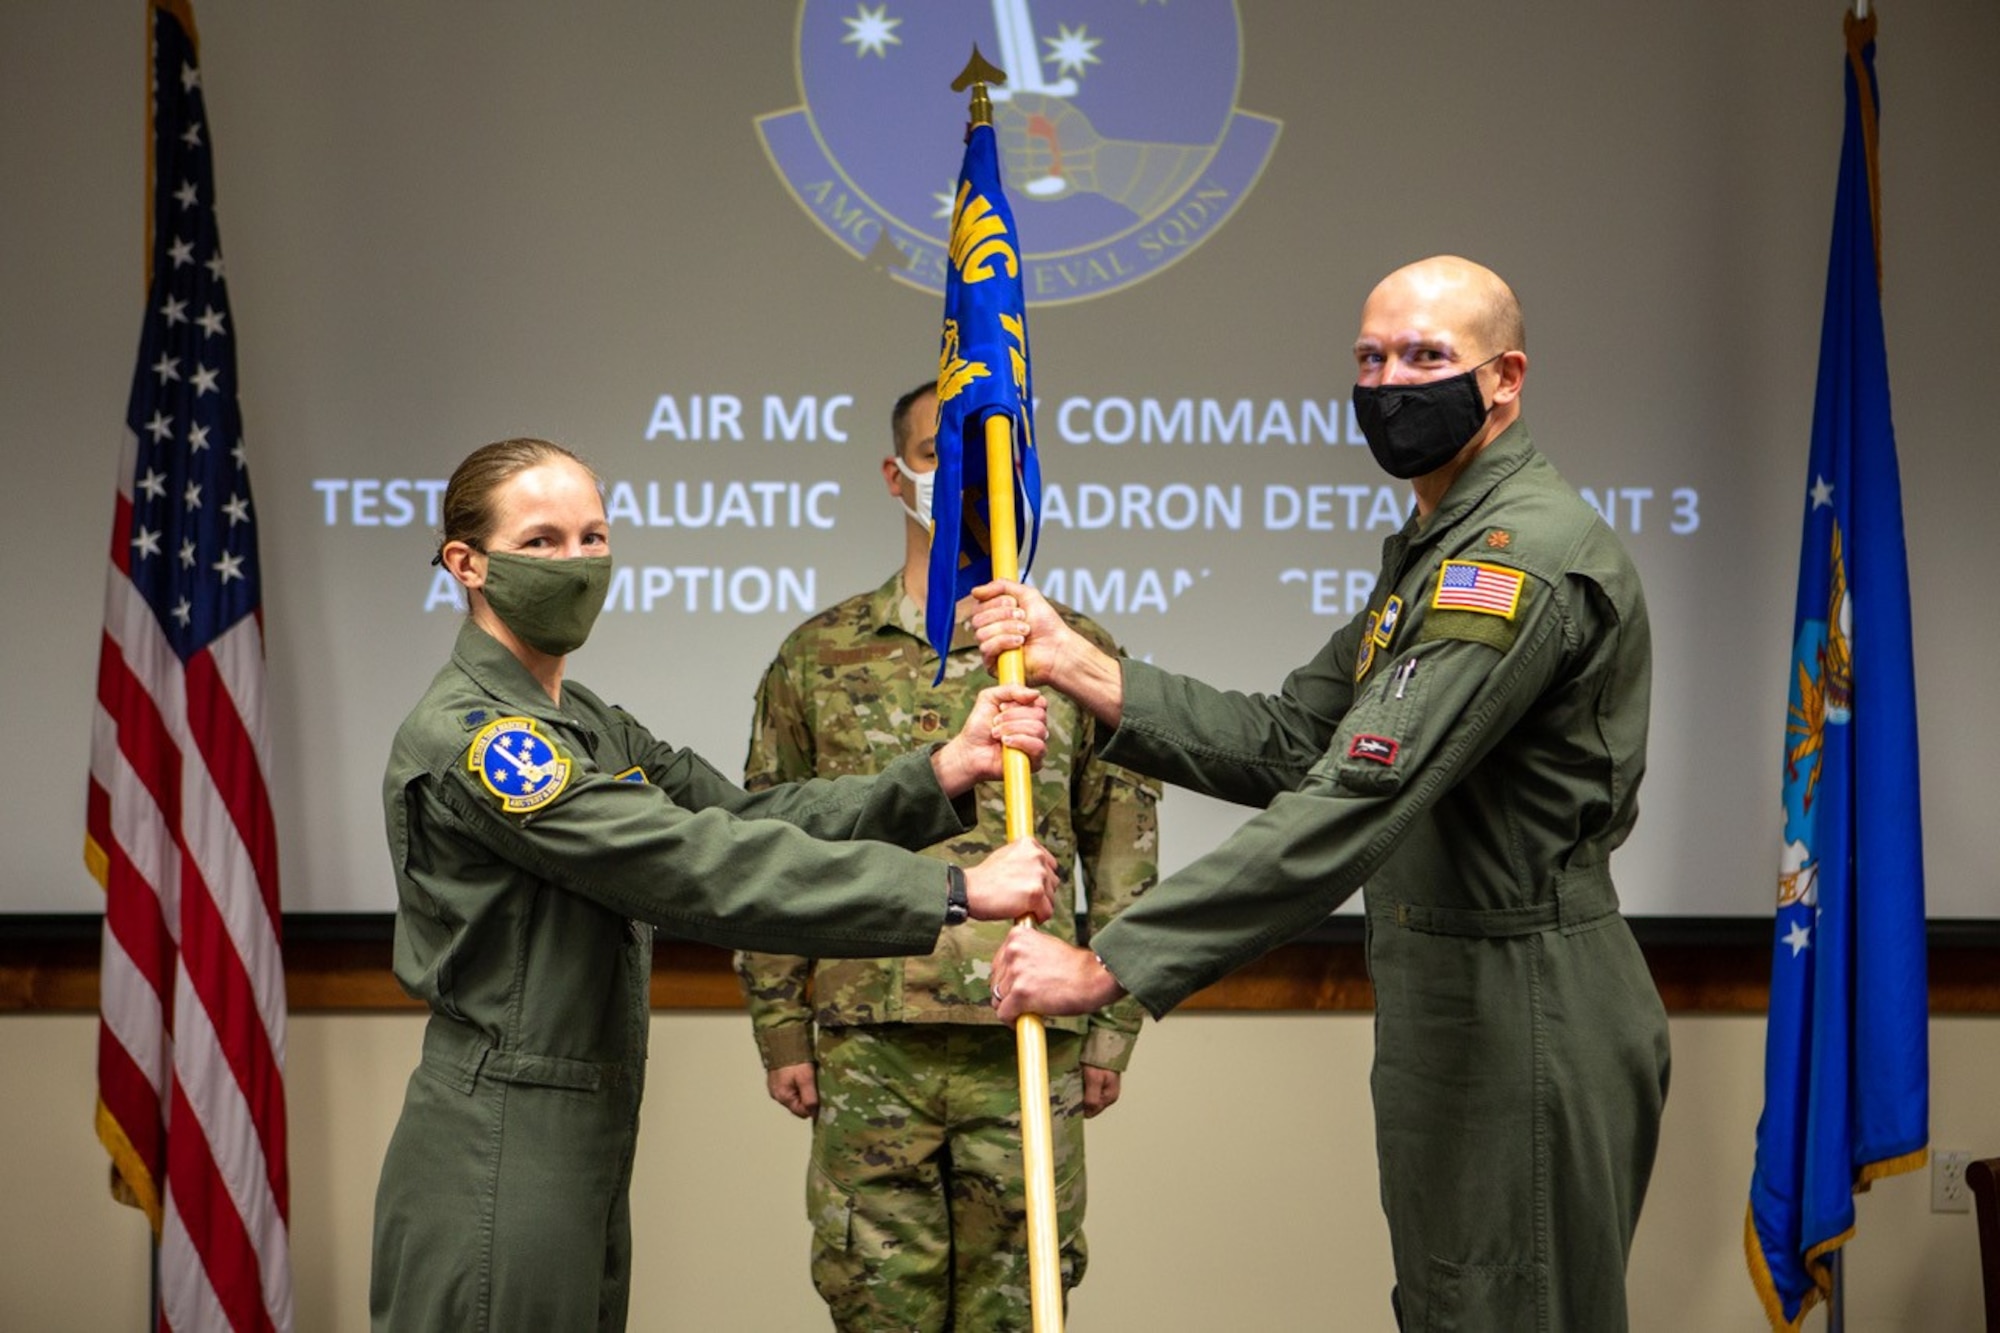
[[1846, 1056], [982, 372]]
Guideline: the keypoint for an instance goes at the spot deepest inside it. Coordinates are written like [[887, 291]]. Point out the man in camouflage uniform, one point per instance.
[[915, 1189]]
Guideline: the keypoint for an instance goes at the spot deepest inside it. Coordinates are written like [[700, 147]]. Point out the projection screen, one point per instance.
[[701, 245]]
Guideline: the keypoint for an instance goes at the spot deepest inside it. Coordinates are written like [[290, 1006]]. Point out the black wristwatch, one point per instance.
[[957, 906]]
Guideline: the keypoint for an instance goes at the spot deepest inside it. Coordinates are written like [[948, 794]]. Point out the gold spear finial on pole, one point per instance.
[[978, 72]]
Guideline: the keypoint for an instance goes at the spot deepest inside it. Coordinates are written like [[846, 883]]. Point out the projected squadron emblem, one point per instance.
[[1121, 145]]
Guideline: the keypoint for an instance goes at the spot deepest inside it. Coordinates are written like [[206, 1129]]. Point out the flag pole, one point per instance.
[[1031, 1041]]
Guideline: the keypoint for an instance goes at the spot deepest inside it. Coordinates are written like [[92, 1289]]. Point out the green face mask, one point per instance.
[[551, 604]]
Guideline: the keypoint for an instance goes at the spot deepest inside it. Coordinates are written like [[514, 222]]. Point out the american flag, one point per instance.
[[1466, 585], [191, 1099]]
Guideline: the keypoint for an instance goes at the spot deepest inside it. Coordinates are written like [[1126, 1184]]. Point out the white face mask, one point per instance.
[[926, 483]]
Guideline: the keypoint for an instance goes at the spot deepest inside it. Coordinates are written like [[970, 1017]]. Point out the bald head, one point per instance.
[[1439, 319], [1457, 295]]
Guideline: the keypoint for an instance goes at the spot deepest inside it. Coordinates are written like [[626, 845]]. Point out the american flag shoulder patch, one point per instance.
[[1474, 585]]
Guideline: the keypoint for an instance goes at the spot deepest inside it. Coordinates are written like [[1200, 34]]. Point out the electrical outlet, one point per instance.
[[1949, 1192]]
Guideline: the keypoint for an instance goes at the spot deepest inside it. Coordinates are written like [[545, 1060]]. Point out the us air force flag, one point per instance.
[[1846, 1064], [982, 372]]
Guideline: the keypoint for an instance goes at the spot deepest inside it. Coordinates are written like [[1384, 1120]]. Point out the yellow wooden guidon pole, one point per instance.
[[1031, 1039]]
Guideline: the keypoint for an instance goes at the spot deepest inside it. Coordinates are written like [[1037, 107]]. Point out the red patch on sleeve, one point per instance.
[[1378, 748]]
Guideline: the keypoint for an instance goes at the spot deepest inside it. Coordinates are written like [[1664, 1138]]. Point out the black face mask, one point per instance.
[[1413, 429]]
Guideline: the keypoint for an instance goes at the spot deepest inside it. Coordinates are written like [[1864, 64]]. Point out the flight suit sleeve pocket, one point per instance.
[[403, 817], [410, 855], [1370, 753], [399, 828]]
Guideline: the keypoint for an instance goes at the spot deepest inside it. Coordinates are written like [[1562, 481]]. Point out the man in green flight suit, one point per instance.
[[1470, 749], [915, 1187]]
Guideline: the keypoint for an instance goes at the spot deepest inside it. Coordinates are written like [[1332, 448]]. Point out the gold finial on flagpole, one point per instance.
[[978, 72]]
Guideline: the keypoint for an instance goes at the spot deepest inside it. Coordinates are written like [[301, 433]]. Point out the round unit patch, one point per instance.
[[518, 764]]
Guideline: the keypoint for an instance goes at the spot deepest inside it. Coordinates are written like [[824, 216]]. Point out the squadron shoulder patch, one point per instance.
[[518, 764], [1474, 585], [1364, 656], [1385, 629]]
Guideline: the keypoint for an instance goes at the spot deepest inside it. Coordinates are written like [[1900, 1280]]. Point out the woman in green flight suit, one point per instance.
[[538, 836]]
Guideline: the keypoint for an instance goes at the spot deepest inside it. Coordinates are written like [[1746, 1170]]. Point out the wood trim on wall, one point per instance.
[[60, 976]]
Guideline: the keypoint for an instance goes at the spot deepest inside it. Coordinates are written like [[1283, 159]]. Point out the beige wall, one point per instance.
[[1234, 1189]]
